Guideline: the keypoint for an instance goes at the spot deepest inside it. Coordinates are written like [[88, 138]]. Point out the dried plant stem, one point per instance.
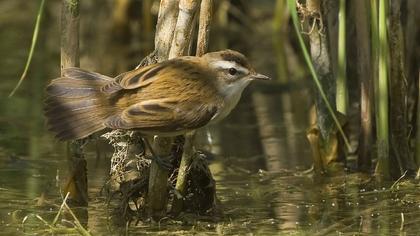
[[181, 181], [77, 182], [418, 131], [181, 41], [182, 34], [61, 209], [55, 228], [167, 18], [79, 227], [398, 94], [193, 30], [158, 178], [69, 33], [364, 72], [206, 11]]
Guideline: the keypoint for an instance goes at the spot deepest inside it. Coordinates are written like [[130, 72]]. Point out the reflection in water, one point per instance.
[[280, 146], [258, 151]]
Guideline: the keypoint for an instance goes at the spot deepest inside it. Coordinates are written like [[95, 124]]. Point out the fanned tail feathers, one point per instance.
[[74, 105]]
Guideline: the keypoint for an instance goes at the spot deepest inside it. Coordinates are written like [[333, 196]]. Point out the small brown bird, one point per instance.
[[167, 98]]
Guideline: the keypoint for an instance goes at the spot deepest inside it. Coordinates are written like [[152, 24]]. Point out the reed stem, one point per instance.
[[77, 182], [398, 92], [342, 90], [182, 33], [180, 41], [366, 75], [206, 12], [418, 127], [184, 166], [382, 170], [158, 177]]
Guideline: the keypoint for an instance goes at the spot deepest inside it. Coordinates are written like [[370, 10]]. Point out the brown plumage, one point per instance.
[[167, 98]]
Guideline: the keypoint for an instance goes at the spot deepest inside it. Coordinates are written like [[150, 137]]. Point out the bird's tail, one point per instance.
[[74, 104]]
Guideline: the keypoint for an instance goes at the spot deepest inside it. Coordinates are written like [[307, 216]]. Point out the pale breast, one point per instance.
[[231, 93]]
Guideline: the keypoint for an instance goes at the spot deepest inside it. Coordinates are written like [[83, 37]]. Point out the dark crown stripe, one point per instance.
[[235, 58]]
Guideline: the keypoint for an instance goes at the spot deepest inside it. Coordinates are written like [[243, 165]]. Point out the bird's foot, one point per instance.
[[163, 162], [176, 192]]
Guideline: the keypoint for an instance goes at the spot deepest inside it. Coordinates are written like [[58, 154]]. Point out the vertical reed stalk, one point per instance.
[[181, 181], [342, 91], [182, 39], [418, 128], [206, 12], [398, 96], [69, 33], [180, 23], [77, 183], [167, 17], [375, 65], [158, 178], [280, 26], [382, 169], [375, 49], [364, 63], [188, 150], [182, 34]]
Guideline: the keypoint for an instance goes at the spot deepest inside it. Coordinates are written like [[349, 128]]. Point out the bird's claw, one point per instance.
[[164, 162]]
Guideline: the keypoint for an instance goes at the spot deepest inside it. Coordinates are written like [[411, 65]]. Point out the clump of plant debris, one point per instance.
[[129, 177]]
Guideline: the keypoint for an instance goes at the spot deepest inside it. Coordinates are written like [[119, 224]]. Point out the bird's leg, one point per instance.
[[163, 161], [177, 193]]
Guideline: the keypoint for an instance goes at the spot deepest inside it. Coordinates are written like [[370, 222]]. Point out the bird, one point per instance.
[[169, 98]]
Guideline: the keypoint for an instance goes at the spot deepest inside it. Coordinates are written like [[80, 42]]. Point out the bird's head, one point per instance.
[[233, 73], [232, 66]]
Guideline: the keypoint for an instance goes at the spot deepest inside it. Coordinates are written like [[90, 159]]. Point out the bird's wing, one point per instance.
[[163, 116], [174, 96], [144, 76]]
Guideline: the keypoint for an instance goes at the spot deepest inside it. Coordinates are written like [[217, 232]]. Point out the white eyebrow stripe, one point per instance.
[[225, 64], [230, 64], [242, 70]]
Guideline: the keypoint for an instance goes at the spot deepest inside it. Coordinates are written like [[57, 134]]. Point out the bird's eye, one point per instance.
[[232, 71]]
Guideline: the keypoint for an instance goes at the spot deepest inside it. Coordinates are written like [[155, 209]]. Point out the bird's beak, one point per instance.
[[259, 77]]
